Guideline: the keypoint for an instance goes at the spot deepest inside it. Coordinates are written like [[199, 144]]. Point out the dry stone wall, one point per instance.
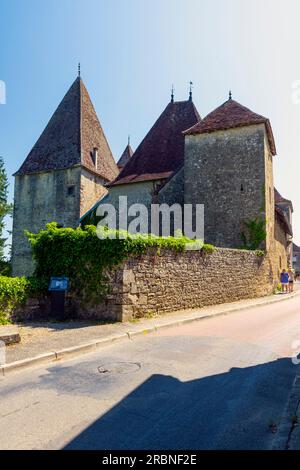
[[156, 283]]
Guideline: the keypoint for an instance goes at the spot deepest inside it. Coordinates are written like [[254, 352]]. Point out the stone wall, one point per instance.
[[226, 171], [152, 283], [91, 190], [173, 191], [278, 251], [60, 196], [41, 198]]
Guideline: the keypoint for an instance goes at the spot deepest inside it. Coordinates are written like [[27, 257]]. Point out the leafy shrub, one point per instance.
[[13, 292], [260, 253], [254, 234], [85, 258], [5, 268]]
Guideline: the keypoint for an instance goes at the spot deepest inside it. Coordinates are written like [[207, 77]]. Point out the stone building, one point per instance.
[[64, 174], [283, 231], [224, 161], [126, 156], [296, 258], [154, 172]]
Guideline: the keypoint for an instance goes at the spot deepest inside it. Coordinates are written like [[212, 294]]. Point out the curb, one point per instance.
[[92, 346], [288, 437]]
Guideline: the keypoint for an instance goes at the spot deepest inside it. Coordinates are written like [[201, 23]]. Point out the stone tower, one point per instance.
[[125, 157], [228, 168], [63, 175]]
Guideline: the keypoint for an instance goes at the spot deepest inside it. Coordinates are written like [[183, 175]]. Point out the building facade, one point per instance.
[[64, 174], [224, 161]]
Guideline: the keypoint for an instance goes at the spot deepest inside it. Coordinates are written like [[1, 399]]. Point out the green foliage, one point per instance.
[[13, 292], [5, 268], [207, 248], [85, 258], [260, 253], [254, 234], [5, 208]]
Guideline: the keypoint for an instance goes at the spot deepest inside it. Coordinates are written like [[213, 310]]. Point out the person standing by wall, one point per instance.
[[291, 274], [284, 279]]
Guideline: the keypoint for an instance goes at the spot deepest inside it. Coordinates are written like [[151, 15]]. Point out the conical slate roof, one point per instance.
[[70, 137], [161, 152], [125, 157], [230, 115]]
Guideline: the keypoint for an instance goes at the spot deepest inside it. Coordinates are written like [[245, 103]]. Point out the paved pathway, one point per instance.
[[221, 383], [40, 338]]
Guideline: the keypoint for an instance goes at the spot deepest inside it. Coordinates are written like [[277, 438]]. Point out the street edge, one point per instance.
[[288, 433], [84, 348]]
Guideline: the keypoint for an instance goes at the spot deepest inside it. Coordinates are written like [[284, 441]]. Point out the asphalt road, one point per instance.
[[220, 383]]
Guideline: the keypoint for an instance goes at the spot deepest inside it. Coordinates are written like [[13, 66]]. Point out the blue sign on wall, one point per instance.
[[59, 284]]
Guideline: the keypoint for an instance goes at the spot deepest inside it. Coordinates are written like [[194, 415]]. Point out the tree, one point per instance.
[[5, 209]]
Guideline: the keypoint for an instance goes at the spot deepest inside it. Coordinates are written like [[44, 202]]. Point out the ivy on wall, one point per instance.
[[85, 258], [254, 234]]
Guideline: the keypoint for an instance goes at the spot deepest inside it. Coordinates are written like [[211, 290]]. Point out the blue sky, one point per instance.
[[131, 51]]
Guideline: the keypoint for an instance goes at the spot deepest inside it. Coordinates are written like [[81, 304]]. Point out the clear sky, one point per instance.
[[131, 51]]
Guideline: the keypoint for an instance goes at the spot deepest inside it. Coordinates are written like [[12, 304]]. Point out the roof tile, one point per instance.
[[231, 115], [162, 150], [69, 138]]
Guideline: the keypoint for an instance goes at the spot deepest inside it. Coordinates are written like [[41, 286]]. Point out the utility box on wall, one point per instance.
[[58, 287]]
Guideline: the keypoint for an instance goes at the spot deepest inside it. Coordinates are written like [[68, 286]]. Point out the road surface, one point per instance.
[[219, 383]]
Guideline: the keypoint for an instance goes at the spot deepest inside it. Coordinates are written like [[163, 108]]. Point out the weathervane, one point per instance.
[[230, 95], [172, 94], [78, 69], [191, 91]]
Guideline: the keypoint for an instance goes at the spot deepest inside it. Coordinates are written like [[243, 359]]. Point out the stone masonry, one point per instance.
[[226, 171], [154, 284]]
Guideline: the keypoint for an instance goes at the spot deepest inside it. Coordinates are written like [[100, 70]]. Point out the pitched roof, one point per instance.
[[296, 248], [125, 157], [280, 199], [231, 115], [162, 150], [70, 137], [284, 220]]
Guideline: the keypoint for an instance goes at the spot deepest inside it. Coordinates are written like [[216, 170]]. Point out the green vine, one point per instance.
[[254, 234], [86, 259]]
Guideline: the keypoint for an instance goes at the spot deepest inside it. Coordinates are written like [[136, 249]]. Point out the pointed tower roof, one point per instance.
[[231, 115], [161, 152], [125, 157], [70, 137]]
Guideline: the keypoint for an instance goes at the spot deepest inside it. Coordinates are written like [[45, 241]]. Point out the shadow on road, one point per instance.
[[238, 409]]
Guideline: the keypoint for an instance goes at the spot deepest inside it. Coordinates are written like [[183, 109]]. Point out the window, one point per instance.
[[280, 263], [270, 195], [94, 155], [242, 188], [71, 190]]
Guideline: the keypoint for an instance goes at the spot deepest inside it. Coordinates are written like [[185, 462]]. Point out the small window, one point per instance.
[[242, 188], [280, 262], [71, 190], [270, 195], [94, 155]]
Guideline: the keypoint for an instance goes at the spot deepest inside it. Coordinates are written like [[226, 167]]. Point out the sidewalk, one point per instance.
[[48, 342]]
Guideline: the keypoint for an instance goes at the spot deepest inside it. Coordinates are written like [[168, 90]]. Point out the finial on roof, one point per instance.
[[78, 69], [191, 91], [172, 94], [230, 95], [128, 140]]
